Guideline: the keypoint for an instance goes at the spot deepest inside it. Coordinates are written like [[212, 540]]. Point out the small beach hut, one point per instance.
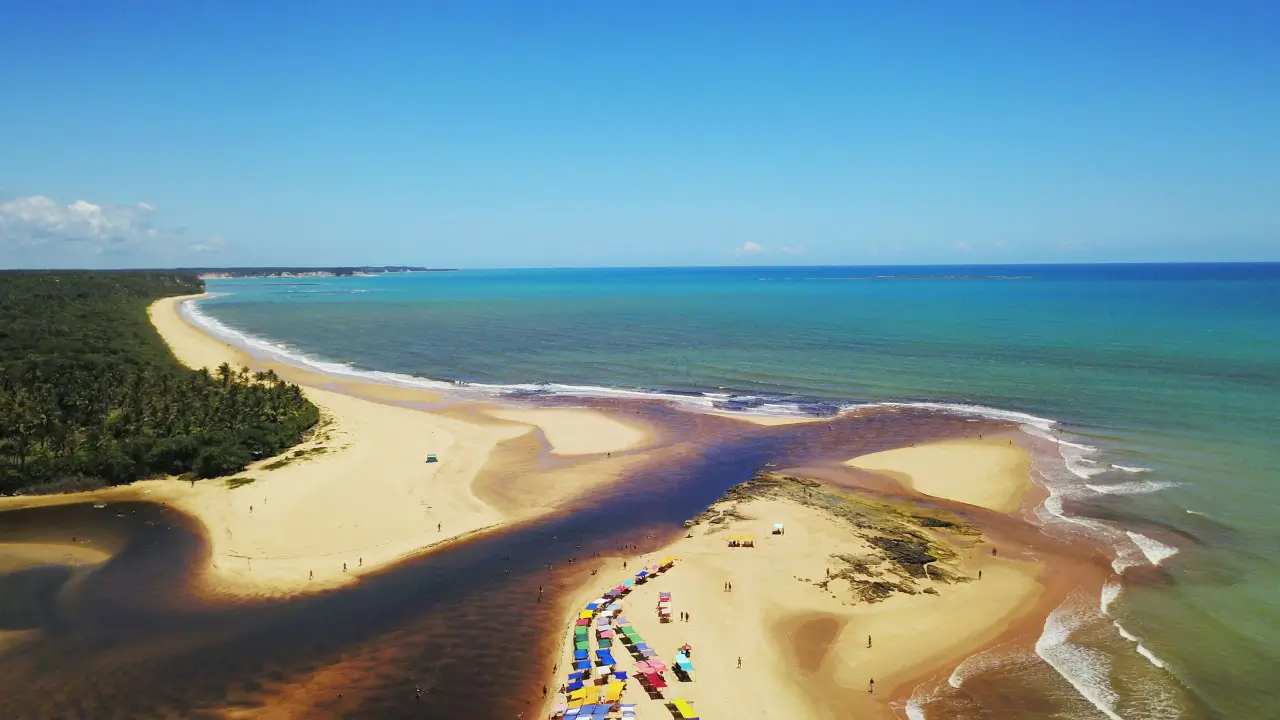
[[778, 529], [431, 457]]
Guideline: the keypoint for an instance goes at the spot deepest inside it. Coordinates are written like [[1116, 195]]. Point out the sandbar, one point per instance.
[[990, 473]]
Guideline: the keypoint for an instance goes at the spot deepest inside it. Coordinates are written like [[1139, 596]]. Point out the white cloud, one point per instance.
[[788, 250], [213, 244], [38, 222], [749, 248]]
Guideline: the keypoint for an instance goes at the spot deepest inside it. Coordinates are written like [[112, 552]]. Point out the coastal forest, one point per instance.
[[90, 395]]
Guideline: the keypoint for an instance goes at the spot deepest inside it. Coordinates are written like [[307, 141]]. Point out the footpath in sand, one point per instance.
[[846, 571], [359, 494]]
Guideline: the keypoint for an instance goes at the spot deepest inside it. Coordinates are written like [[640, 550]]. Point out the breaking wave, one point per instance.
[[1155, 551], [1085, 668], [1136, 487]]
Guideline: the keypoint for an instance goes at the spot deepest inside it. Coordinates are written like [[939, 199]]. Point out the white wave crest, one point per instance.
[[1135, 487], [1111, 590], [1086, 669], [982, 411], [1155, 551], [1140, 648], [1128, 469]]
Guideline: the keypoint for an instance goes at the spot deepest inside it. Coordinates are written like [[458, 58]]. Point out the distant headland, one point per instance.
[[295, 272]]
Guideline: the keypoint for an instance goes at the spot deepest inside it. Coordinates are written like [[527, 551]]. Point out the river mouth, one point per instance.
[[462, 625]]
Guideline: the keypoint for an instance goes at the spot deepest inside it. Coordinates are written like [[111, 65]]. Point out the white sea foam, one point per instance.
[[1110, 593], [1139, 647], [1135, 487], [1128, 469], [1085, 668], [983, 411], [1144, 652], [1155, 551]]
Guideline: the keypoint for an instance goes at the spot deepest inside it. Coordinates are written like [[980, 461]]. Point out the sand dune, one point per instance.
[[989, 473]]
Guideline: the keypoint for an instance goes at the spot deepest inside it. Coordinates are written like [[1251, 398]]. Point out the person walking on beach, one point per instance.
[[871, 687], [868, 642], [993, 552], [311, 574], [730, 586], [361, 562], [739, 662], [439, 527], [979, 574]]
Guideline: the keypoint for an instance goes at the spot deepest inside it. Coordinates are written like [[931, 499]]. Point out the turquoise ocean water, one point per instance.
[[1164, 380]]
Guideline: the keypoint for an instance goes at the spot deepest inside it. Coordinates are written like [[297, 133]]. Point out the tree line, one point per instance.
[[90, 395]]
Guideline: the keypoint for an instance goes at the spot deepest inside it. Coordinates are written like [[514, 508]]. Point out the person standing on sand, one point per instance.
[[311, 574], [871, 687], [344, 567], [439, 527], [868, 642], [739, 662], [979, 574], [993, 552]]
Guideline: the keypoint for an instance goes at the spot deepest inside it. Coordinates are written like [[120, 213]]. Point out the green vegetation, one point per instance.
[[239, 482], [303, 454], [91, 395]]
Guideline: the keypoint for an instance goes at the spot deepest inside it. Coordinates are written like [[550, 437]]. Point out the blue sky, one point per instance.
[[507, 134]]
